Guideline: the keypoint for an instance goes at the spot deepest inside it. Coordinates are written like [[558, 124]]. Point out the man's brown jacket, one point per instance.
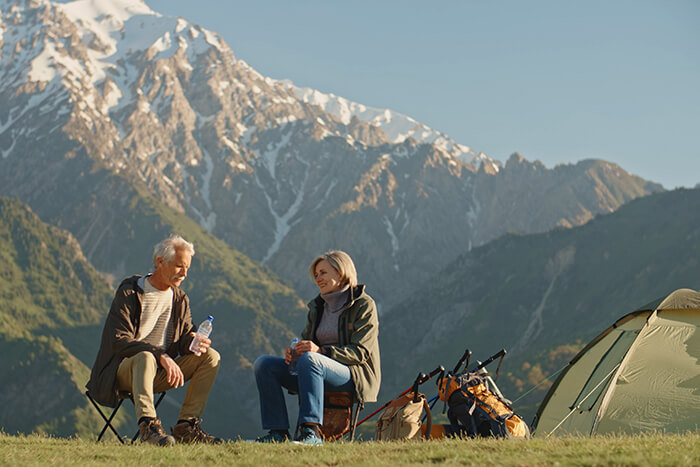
[[119, 338]]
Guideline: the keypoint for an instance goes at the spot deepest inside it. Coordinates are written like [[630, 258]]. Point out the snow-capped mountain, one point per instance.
[[94, 88], [398, 127]]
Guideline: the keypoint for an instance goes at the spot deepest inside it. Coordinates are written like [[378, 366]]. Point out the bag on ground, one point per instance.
[[402, 419], [475, 410]]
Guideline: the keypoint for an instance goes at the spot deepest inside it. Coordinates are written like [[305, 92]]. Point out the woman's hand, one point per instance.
[[307, 346]]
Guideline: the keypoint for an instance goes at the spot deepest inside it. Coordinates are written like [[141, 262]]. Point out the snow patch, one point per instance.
[[393, 238], [282, 222], [42, 67], [392, 235], [269, 157], [229, 144], [162, 44]]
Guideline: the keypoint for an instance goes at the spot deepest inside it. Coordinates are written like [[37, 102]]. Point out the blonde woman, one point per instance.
[[339, 351]]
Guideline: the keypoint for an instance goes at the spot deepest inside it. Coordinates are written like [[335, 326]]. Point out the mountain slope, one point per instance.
[[543, 296], [55, 304], [47, 286], [91, 88]]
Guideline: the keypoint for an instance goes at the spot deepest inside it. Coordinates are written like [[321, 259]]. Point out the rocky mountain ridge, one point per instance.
[[93, 86]]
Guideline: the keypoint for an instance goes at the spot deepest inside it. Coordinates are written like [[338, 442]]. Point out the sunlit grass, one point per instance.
[[607, 450]]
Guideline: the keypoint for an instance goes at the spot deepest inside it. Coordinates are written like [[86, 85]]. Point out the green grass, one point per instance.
[[608, 450]]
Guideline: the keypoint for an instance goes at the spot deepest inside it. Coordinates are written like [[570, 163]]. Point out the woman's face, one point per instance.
[[327, 278]]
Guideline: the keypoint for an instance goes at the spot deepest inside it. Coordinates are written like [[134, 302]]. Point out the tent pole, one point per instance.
[[577, 407]]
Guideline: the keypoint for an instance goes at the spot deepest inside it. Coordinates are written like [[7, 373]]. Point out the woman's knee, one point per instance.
[[262, 364], [309, 360]]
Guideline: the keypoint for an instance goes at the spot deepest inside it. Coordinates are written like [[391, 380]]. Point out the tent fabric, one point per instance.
[[640, 374]]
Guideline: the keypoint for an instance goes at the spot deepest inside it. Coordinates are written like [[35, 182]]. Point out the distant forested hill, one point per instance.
[[543, 296], [48, 291]]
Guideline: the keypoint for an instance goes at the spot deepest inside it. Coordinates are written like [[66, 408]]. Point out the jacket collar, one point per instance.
[[355, 293], [133, 283]]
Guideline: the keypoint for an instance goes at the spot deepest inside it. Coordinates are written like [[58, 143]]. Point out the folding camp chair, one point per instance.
[[340, 412], [108, 421]]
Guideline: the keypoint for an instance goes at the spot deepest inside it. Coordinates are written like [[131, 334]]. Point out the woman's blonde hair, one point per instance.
[[341, 262]]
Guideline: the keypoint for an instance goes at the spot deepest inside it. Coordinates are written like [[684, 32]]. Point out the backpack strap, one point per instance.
[[429, 425]]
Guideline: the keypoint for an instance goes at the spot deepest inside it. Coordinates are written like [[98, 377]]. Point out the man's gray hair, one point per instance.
[[166, 249]]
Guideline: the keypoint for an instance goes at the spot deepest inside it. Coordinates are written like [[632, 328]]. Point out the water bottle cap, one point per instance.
[[210, 318]]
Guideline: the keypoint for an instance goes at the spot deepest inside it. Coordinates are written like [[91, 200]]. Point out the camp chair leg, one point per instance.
[[108, 421], [359, 406], [136, 435]]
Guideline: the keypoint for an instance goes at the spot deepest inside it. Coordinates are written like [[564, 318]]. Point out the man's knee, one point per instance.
[[211, 357], [144, 360]]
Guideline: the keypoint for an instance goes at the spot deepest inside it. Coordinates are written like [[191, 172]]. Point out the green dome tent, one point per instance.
[[641, 374]]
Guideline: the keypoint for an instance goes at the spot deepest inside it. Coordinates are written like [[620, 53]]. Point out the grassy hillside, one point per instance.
[[542, 297], [46, 287], [638, 450]]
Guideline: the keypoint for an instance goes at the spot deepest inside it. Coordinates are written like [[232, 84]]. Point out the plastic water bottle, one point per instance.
[[203, 331], [293, 364]]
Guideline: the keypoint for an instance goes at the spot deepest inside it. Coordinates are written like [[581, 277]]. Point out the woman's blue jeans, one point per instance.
[[316, 373]]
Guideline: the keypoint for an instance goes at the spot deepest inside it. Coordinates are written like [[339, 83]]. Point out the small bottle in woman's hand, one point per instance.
[[292, 362]]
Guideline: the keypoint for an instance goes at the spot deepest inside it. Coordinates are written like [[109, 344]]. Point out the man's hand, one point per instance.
[[204, 345], [175, 377], [307, 346]]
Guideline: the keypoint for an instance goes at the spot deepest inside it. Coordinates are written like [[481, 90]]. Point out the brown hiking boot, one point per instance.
[[192, 432], [152, 431]]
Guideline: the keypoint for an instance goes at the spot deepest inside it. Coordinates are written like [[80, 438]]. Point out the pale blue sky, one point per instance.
[[557, 81]]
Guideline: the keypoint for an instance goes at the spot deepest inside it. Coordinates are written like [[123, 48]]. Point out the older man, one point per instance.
[[148, 326]]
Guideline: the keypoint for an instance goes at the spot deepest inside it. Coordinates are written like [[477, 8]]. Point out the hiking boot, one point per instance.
[[274, 436], [152, 431], [191, 432], [309, 435]]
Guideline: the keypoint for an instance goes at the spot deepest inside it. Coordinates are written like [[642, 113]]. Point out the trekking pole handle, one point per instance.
[[499, 354], [431, 374], [416, 383], [467, 354]]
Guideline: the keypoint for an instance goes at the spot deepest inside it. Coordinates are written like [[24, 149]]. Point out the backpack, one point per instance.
[[402, 418], [475, 410]]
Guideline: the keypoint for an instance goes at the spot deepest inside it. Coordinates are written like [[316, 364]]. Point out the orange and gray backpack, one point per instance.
[[474, 410], [475, 405]]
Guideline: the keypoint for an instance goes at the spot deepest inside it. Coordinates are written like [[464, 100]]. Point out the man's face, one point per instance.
[[175, 271]]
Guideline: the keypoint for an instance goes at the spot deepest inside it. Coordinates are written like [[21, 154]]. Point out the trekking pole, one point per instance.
[[467, 355], [500, 354], [416, 383], [422, 378]]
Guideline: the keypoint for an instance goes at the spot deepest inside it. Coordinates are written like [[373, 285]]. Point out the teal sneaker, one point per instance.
[[274, 436], [308, 436]]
